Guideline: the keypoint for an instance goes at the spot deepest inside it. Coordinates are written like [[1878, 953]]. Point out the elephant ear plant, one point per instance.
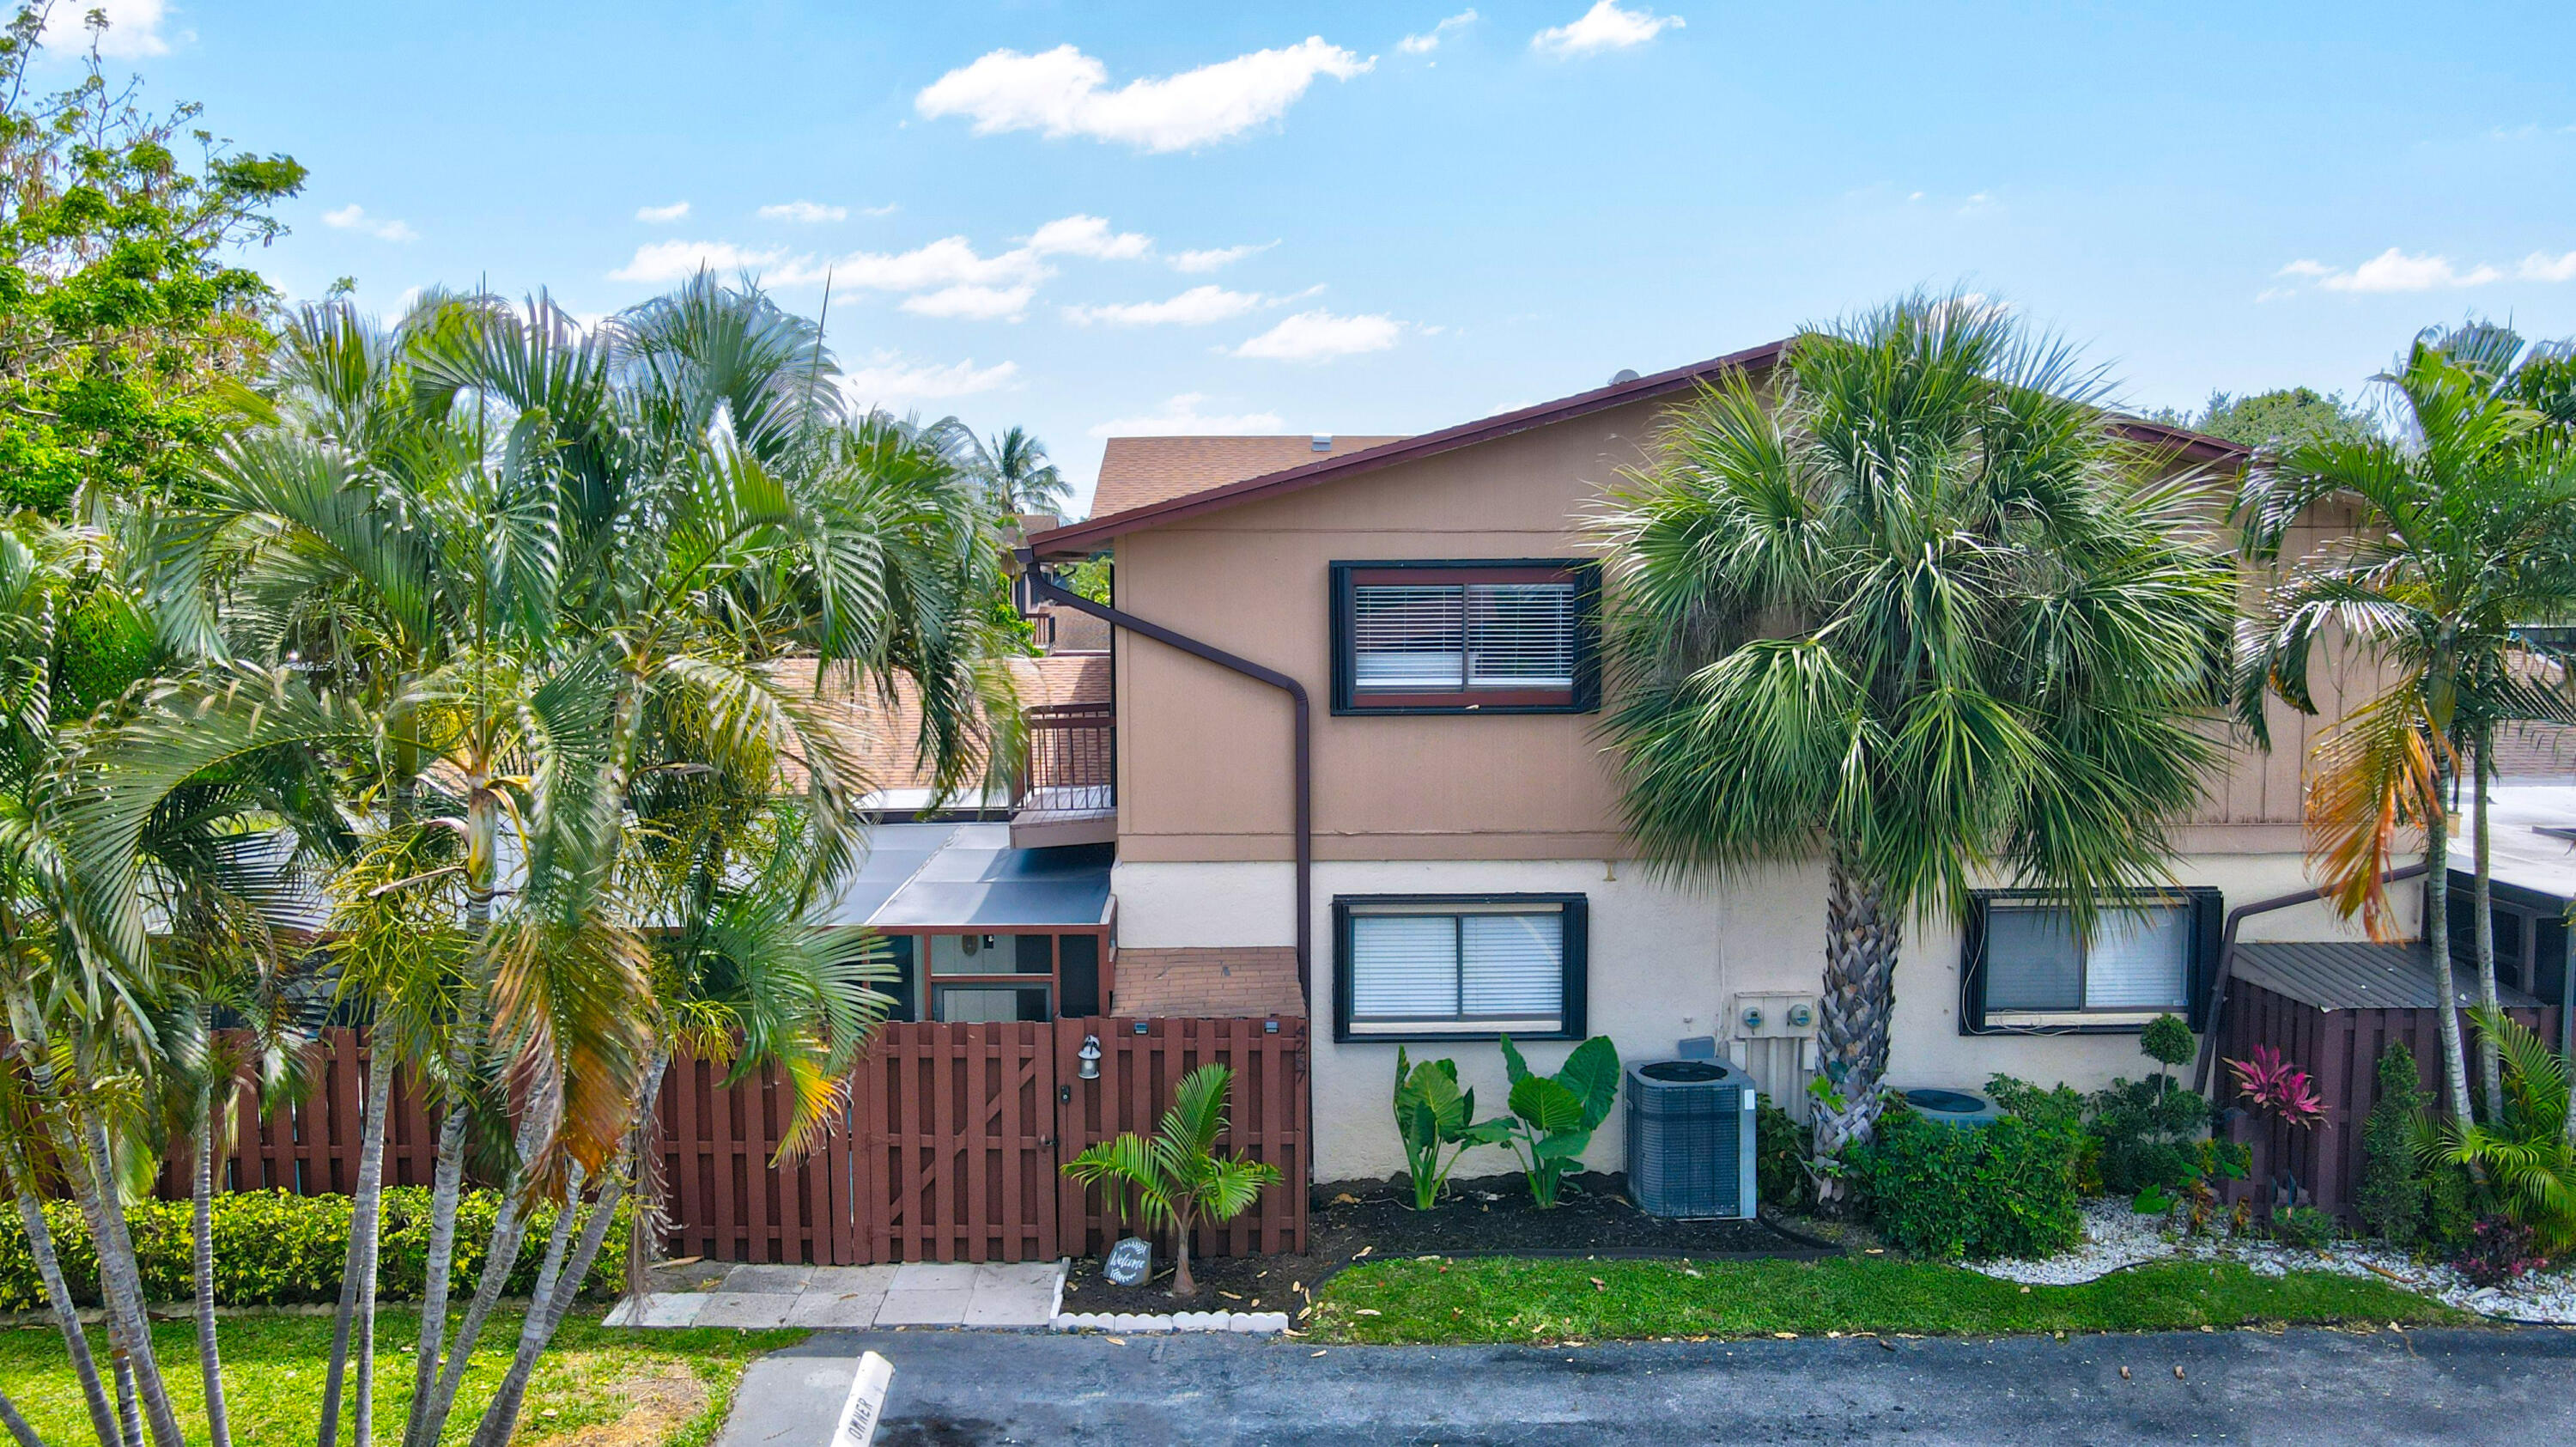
[[1554, 1116], [1431, 1115]]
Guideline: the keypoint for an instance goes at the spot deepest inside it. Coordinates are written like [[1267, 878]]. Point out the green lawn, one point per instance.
[[1506, 1300], [677, 1383]]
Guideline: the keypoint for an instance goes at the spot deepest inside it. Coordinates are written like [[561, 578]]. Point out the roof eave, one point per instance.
[[1085, 538]]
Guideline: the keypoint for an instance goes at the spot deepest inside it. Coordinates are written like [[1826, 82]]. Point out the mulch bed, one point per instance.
[[1356, 1220]]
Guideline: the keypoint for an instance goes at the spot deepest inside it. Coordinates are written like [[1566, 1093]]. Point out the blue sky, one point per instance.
[[1388, 218]]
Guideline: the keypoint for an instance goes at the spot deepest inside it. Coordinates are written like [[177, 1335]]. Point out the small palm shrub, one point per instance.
[[1178, 1178], [2525, 1154]]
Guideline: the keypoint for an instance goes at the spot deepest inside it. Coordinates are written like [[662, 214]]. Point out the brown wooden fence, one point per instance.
[[2340, 1050], [948, 1150]]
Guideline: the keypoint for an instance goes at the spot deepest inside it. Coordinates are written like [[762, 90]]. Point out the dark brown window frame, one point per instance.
[[1584, 696], [1577, 964], [2206, 905], [920, 989]]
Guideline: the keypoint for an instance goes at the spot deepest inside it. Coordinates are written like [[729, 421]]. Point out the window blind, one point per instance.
[[1520, 635], [1404, 966], [2140, 960], [1511, 965], [2031, 963], [1408, 636], [1458, 968]]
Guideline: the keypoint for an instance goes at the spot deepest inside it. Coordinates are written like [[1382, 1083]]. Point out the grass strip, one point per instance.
[[274, 1365], [1516, 1300]]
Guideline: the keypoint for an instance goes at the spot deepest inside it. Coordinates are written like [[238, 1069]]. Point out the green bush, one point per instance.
[[1946, 1192], [273, 1248], [2302, 1226], [1781, 1147], [2391, 1197]]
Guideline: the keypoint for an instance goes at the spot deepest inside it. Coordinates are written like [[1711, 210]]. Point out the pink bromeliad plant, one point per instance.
[[2275, 1088]]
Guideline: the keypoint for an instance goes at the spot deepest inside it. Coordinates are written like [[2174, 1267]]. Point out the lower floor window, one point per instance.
[[979, 978], [2144, 956], [1459, 965]]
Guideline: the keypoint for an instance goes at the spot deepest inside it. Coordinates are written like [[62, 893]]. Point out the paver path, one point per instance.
[[921, 1293], [960, 1388]]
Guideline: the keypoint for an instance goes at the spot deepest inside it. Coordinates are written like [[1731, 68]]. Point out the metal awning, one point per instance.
[[2354, 975], [967, 876]]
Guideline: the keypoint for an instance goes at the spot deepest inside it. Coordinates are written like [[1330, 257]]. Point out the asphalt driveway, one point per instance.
[[953, 1388]]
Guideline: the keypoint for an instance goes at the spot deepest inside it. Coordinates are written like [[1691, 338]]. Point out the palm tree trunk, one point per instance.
[[509, 1228], [49, 1268], [1182, 1283], [2437, 939], [547, 1311], [120, 1281], [17, 1425], [2481, 897], [445, 1187], [1862, 939], [359, 1280], [129, 1417], [219, 1430]]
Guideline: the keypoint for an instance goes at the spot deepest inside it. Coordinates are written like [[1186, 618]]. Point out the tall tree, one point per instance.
[[2286, 417], [1910, 602], [1013, 467], [2467, 529]]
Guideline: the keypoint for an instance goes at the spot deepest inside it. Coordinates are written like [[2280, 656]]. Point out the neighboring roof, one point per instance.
[[1140, 471], [2351, 975], [1082, 538], [938, 876], [2529, 842], [2536, 753]]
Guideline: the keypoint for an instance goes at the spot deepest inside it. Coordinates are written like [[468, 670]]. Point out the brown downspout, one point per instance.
[[1041, 590], [2217, 1011]]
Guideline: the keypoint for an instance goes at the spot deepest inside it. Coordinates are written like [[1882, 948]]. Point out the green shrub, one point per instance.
[[273, 1248], [2148, 1133], [2002, 1189], [2302, 1226], [2393, 1191], [1781, 1146]]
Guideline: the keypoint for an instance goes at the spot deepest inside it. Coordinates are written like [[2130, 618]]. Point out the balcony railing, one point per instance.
[[1071, 764]]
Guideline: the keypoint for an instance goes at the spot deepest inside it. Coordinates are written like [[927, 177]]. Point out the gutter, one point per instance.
[[1041, 590], [2216, 1014]]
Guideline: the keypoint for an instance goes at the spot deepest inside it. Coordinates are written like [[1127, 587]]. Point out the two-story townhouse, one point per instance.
[[1358, 773]]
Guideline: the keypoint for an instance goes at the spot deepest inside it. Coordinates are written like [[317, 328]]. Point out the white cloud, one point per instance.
[[354, 217], [1429, 40], [972, 303], [1318, 336], [1063, 92], [1603, 27], [1197, 307], [804, 212], [663, 215], [2274, 293], [1088, 236], [2541, 266], [888, 209], [1216, 257], [2395, 270], [888, 380], [2305, 267], [679, 260], [1181, 417], [133, 28], [948, 262]]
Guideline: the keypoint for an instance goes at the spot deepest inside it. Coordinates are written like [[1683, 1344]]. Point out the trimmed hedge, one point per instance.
[[1943, 1192], [274, 1248]]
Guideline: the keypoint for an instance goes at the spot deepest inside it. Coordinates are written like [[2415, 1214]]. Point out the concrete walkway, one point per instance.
[[2321, 1387], [921, 1293]]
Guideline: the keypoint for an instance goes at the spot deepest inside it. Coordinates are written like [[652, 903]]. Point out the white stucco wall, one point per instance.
[[1664, 962]]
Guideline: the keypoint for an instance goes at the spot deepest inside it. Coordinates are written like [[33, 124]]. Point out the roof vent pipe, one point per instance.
[[1323, 442], [1623, 376]]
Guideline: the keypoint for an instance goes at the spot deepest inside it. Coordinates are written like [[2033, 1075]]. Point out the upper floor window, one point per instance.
[[2149, 953], [1457, 636]]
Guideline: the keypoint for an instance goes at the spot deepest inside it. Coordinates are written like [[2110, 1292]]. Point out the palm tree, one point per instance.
[[1910, 602], [2466, 530], [1178, 1177], [1013, 466]]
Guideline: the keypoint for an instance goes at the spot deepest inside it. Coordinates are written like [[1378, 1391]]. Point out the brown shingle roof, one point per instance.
[[1139, 471]]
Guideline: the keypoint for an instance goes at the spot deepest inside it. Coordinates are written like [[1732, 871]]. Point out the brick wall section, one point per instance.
[[1216, 983]]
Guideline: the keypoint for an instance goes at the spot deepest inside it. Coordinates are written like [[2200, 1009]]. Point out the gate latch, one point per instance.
[[1064, 1095]]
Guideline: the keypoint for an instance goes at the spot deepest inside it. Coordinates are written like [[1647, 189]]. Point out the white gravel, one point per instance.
[[2116, 1237]]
